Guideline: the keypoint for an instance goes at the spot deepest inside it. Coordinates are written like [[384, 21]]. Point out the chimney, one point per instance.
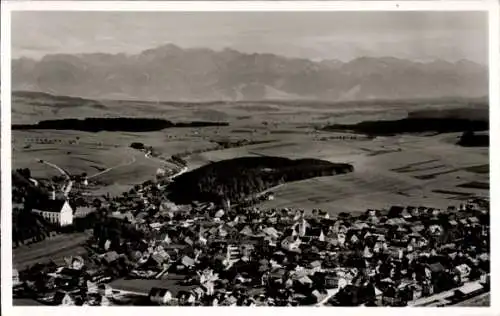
[[52, 194]]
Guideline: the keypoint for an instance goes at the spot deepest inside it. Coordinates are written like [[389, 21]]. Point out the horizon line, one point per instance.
[[315, 60]]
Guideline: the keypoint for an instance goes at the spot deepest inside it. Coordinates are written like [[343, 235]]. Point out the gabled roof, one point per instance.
[[473, 219], [436, 267], [316, 232], [110, 256], [155, 291], [54, 206]]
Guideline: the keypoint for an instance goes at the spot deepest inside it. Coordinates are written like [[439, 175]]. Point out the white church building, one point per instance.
[[58, 212]]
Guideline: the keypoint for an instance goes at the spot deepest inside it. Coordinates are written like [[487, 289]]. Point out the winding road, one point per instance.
[[67, 188], [61, 170]]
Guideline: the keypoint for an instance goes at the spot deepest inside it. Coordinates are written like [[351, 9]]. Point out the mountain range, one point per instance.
[[171, 73]]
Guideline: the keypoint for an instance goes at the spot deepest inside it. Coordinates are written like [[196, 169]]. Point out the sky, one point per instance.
[[313, 35]]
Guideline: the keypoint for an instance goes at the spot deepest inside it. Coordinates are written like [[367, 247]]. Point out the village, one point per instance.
[[146, 250]]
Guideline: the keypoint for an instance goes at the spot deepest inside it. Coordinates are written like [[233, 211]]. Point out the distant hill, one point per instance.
[[175, 74]]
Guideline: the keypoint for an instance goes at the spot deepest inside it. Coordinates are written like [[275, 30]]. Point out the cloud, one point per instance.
[[315, 35]]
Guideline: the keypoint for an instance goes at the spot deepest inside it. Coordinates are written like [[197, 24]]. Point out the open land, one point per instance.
[[53, 249], [418, 169]]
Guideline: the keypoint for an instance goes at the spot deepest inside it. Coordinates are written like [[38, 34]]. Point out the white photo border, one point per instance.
[[490, 6]]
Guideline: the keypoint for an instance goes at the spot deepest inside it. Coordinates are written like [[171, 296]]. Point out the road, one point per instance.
[[67, 188], [128, 163], [183, 169], [61, 170]]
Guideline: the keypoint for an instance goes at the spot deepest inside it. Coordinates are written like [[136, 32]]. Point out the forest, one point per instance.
[[236, 179], [412, 125], [470, 139], [125, 124]]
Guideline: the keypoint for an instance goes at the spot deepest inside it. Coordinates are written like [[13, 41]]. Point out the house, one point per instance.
[[160, 295], [463, 271], [435, 230], [367, 252], [64, 298], [187, 261], [97, 275], [390, 296], [58, 212], [128, 216], [110, 257], [434, 269], [417, 228], [15, 278], [370, 213], [105, 290], [82, 211], [473, 220], [315, 266], [380, 246], [433, 211], [315, 233], [246, 231], [291, 243], [335, 281], [406, 214], [395, 211], [469, 290]]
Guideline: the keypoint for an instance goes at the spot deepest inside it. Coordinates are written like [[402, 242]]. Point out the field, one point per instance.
[[409, 175], [417, 169], [55, 248], [106, 156]]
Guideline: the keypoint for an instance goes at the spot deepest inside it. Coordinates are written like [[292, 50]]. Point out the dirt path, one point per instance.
[[128, 163], [61, 170]]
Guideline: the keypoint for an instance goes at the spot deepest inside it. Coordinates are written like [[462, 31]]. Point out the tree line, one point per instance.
[[412, 125], [127, 124]]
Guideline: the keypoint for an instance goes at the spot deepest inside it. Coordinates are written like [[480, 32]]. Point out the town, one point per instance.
[[145, 250]]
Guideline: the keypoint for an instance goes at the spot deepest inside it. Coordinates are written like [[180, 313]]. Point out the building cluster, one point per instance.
[[245, 256]]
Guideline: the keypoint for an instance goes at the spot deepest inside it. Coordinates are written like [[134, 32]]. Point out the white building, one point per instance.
[[58, 212], [15, 277], [160, 296]]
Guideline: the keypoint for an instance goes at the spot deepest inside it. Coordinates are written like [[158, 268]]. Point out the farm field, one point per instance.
[[423, 172], [424, 169], [105, 157]]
